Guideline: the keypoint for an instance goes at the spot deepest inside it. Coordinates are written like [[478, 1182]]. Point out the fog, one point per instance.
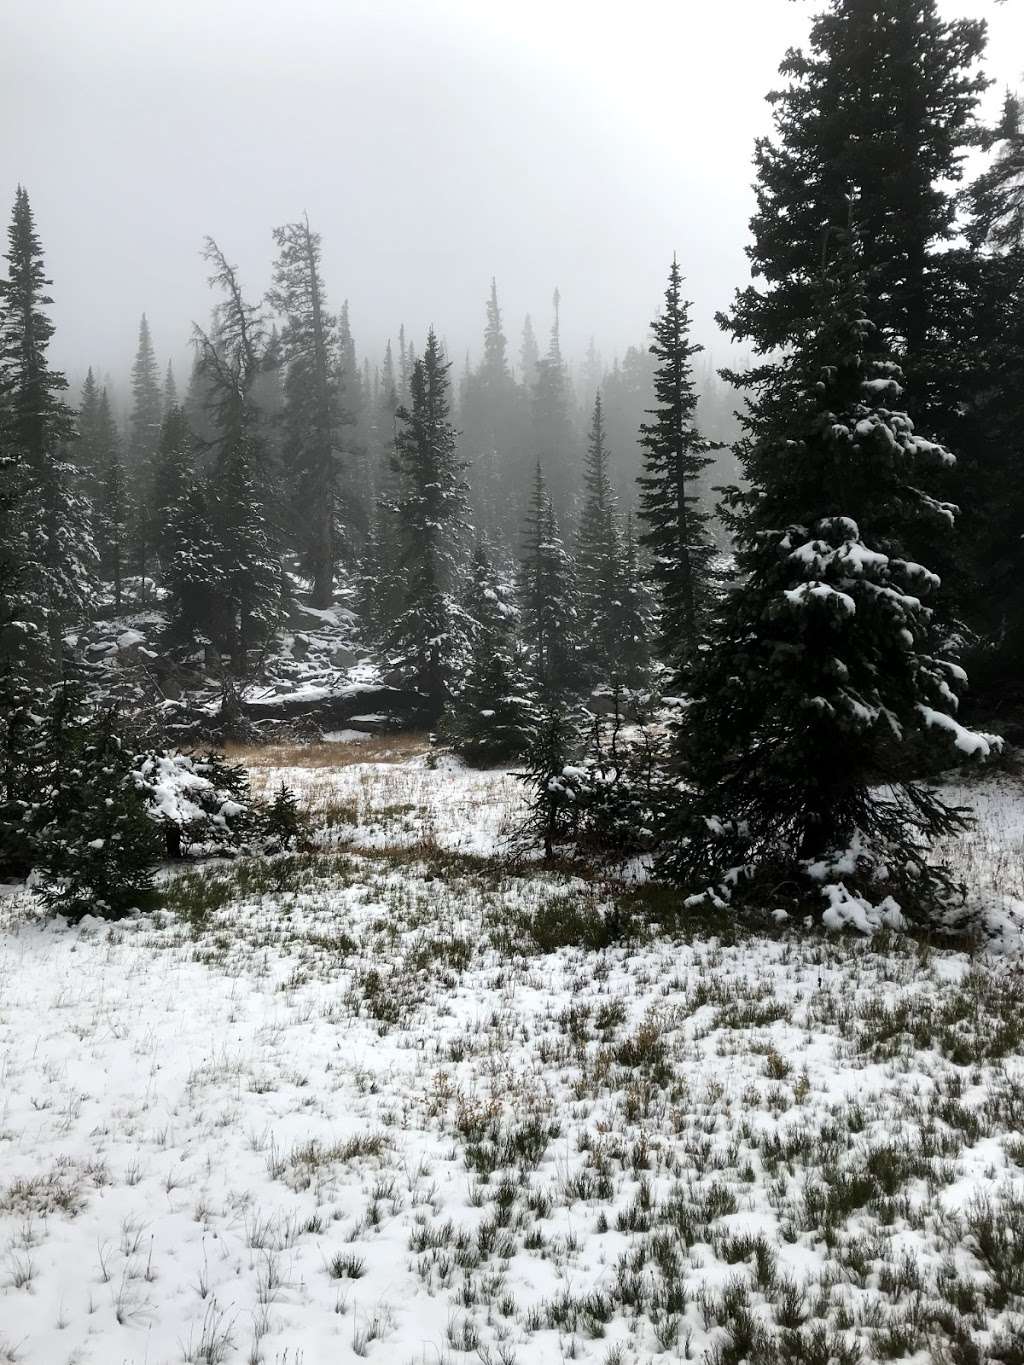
[[549, 142]]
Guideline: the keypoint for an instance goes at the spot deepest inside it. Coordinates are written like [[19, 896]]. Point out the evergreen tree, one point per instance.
[[546, 590], [494, 436], [489, 718], [311, 416], [192, 577], [248, 575], [143, 437], [89, 450], [675, 455], [426, 639], [599, 558], [633, 616], [112, 515], [880, 109], [147, 401], [173, 471], [552, 418], [169, 397], [820, 674], [997, 196], [97, 848], [35, 425], [23, 656], [529, 355]]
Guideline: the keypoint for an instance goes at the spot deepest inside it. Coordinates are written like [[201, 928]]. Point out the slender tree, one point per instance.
[[675, 456], [546, 591], [35, 427], [427, 639], [311, 416], [599, 558]]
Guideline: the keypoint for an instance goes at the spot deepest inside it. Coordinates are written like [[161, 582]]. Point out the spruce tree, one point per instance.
[[426, 639], [311, 416], [880, 108], [546, 590], [997, 196], [599, 558], [489, 717], [112, 514], [820, 676], [147, 401], [96, 846], [173, 471], [675, 456], [192, 577], [248, 578], [35, 427], [553, 441], [143, 437]]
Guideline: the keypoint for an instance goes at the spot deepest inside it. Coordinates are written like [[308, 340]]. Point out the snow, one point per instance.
[[198, 1119], [346, 736]]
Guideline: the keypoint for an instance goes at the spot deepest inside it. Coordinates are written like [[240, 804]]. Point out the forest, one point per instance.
[[517, 857], [518, 543]]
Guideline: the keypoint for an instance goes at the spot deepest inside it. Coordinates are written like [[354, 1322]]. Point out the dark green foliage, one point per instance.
[[599, 558], [112, 509], [173, 473], [52, 543], [488, 719], [997, 196], [546, 591], [96, 847], [312, 416], [550, 772], [147, 402], [197, 800], [192, 578], [820, 671], [879, 108], [283, 821], [426, 639], [675, 456]]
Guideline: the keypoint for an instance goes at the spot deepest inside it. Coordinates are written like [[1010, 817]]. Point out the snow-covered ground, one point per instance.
[[377, 1102]]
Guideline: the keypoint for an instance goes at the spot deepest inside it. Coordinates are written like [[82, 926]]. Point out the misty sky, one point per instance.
[[432, 142]]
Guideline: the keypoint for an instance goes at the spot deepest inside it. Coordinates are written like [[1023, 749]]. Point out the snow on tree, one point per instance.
[[546, 593], [819, 690], [95, 846], [489, 717], [426, 640], [35, 426]]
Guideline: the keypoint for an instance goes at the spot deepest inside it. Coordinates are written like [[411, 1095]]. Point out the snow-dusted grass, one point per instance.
[[391, 1100]]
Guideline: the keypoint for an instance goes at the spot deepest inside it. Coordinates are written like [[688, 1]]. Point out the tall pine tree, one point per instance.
[[427, 638], [675, 456], [821, 674]]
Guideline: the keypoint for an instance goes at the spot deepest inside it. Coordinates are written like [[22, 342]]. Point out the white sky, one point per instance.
[[433, 143]]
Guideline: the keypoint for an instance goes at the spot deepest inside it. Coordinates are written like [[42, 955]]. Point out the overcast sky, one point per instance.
[[433, 143]]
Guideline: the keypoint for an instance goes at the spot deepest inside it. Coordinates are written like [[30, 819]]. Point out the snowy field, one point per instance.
[[390, 1100]]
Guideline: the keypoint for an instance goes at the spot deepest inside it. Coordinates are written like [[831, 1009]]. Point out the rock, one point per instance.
[[300, 646], [344, 658]]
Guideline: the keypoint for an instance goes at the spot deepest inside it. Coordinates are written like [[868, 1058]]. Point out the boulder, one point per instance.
[[342, 657]]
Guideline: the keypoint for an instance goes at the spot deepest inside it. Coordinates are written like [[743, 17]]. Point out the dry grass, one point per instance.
[[389, 748]]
